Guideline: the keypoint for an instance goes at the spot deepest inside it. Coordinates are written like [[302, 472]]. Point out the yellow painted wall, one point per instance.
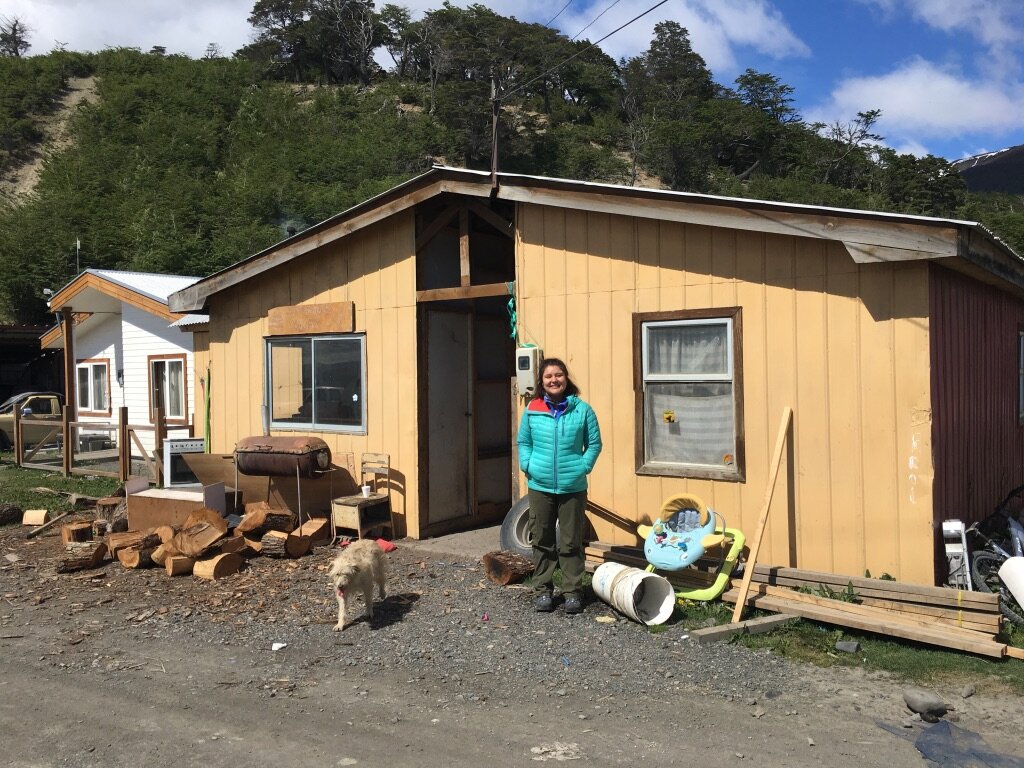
[[845, 345], [201, 357], [375, 269]]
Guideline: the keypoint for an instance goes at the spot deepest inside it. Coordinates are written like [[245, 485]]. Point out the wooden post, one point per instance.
[[124, 452], [19, 447], [70, 380], [755, 541], [159, 436], [66, 430]]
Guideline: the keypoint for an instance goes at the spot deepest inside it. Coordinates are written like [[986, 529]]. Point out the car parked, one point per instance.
[[31, 404]]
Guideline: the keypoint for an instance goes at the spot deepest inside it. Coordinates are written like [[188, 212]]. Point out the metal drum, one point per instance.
[[282, 456]]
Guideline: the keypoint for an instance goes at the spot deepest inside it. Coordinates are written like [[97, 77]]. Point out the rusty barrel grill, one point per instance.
[[282, 457]]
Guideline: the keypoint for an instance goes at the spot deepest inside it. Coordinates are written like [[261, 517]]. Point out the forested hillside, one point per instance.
[[185, 166]]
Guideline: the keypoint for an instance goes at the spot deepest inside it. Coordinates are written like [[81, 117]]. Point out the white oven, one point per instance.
[[176, 471]]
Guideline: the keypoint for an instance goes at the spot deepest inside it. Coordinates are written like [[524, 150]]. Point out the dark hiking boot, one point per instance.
[[573, 604], [544, 603]]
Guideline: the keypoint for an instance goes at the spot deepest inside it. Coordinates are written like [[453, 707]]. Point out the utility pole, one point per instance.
[[494, 138]]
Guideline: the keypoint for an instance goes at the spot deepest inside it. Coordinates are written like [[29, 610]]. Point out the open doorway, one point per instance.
[[465, 272]]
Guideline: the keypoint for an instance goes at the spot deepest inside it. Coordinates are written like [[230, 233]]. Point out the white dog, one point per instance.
[[361, 565]]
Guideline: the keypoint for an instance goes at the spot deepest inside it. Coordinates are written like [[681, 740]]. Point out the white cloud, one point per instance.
[[92, 25], [920, 101]]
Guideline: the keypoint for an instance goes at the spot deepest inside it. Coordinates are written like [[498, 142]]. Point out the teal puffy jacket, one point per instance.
[[558, 454]]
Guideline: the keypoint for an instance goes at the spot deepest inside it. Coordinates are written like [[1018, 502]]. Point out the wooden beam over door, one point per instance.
[[466, 292]]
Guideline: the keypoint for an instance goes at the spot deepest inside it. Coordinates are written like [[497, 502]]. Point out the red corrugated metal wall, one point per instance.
[[978, 441]]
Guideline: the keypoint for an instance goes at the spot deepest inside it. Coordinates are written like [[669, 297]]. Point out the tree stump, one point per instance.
[[80, 531], [81, 554], [179, 565], [274, 544], [134, 557], [218, 567], [114, 509], [506, 567]]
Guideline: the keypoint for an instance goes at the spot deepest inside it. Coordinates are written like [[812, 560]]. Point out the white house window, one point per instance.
[[689, 390], [317, 382], [93, 386], [167, 386]]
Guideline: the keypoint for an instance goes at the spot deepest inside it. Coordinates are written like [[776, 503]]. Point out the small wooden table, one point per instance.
[[362, 513]]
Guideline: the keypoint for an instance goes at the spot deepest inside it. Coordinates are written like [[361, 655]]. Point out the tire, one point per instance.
[[515, 529], [5, 441], [985, 575]]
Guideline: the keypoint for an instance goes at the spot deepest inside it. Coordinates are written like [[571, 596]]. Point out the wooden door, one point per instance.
[[449, 400]]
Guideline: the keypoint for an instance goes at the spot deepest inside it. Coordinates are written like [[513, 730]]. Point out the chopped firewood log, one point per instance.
[[135, 557], [179, 565], [206, 515], [218, 567], [10, 513], [160, 554], [165, 532], [317, 528], [234, 544], [196, 540], [81, 554], [126, 539], [297, 545], [253, 547], [506, 567], [80, 531], [35, 516], [273, 543], [260, 517]]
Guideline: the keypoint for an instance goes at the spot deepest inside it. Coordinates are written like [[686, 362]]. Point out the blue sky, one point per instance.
[[948, 75]]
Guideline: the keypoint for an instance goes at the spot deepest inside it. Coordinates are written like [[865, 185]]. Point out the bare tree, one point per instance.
[[213, 51], [13, 36]]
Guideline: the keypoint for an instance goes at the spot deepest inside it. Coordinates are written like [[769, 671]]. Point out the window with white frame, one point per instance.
[[93, 386], [689, 390], [317, 382], [167, 386]]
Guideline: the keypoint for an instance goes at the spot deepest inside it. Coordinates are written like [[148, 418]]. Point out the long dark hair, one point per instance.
[[570, 386]]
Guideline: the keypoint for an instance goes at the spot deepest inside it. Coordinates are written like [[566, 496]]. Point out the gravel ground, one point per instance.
[[444, 628]]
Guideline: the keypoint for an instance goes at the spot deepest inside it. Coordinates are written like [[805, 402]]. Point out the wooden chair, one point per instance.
[[364, 513]]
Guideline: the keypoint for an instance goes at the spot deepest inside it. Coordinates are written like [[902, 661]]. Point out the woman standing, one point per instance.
[[559, 442]]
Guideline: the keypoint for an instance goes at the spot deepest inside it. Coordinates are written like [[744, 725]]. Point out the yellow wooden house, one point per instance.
[[689, 322]]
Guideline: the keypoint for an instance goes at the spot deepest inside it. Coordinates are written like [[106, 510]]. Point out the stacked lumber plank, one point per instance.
[[948, 618]]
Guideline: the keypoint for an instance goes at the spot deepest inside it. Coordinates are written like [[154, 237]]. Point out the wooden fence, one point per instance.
[[96, 448]]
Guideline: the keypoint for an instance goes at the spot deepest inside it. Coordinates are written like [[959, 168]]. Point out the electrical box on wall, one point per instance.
[[527, 361]]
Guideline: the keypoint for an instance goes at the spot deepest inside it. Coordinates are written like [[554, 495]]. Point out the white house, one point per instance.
[[125, 349]]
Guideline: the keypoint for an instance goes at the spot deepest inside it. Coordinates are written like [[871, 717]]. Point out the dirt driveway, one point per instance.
[[117, 667]]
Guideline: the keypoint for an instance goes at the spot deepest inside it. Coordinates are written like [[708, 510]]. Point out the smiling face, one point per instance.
[[553, 379]]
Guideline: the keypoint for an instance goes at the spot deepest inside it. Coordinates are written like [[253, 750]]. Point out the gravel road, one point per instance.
[[447, 647]]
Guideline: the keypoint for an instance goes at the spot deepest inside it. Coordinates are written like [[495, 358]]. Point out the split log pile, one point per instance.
[[948, 618], [204, 545]]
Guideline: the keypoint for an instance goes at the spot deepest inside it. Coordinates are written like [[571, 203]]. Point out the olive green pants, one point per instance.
[[567, 552]]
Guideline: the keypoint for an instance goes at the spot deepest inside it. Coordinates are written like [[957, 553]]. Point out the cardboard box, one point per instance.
[[153, 507]]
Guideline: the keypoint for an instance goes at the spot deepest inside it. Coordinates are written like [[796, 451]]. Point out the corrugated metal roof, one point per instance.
[[189, 320], [155, 286]]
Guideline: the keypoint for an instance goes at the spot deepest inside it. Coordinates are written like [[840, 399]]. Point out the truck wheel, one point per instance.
[[515, 530], [5, 441]]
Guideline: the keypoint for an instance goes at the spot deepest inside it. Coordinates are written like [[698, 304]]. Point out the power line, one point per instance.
[[579, 53], [602, 13], [548, 22]]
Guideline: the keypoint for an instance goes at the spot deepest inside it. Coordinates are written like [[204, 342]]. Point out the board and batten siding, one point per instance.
[[979, 439], [145, 335], [845, 345], [375, 269]]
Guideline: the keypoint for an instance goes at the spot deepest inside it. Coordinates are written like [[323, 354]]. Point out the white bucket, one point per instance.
[[642, 596], [1012, 574]]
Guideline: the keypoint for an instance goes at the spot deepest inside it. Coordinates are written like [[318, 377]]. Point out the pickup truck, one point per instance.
[[30, 404]]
